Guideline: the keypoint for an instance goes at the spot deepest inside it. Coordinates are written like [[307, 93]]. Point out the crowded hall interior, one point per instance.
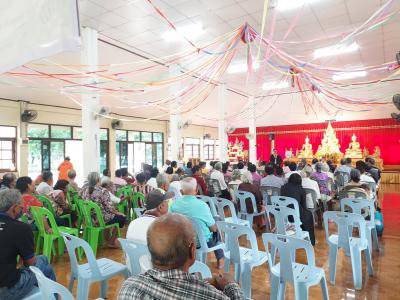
[[199, 149]]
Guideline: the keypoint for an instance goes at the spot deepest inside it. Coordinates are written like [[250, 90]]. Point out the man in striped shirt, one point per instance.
[[172, 245]]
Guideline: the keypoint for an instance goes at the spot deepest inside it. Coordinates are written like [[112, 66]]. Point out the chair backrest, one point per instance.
[[286, 202], [314, 196], [138, 197], [203, 269], [233, 187], [287, 247], [49, 287], [201, 239], [345, 223], [39, 214], [242, 196], [221, 203], [353, 194], [372, 187], [71, 194], [90, 209], [231, 233], [211, 204], [268, 192], [134, 251], [47, 203], [73, 243], [341, 178], [124, 192], [364, 207], [216, 187], [281, 215]]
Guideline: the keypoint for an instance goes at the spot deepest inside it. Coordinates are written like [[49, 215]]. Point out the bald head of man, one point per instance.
[[171, 242]]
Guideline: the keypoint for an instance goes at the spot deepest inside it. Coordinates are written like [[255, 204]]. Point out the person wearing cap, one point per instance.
[[156, 206]]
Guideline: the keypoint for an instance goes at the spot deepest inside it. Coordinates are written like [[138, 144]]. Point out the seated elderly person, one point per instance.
[[256, 177], [355, 185], [364, 177], [217, 174], [153, 178], [322, 179], [271, 179], [71, 180], [344, 167], [292, 169], [198, 210], [175, 186], [247, 185], [162, 182], [16, 239], [107, 184], [308, 183], [172, 245], [141, 185], [94, 192], [200, 180], [8, 182], [46, 186]]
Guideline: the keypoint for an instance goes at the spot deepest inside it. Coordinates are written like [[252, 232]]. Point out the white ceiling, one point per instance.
[[135, 26]]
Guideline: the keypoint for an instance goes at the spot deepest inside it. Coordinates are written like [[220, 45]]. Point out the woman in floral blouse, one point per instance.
[[94, 192]]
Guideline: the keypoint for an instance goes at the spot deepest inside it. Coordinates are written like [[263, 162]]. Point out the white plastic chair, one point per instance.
[[34, 294], [243, 214], [268, 192], [221, 204], [93, 271], [317, 208], [201, 252], [203, 269], [48, 288], [357, 206], [244, 259], [286, 202], [133, 253], [302, 276], [139, 211], [353, 245]]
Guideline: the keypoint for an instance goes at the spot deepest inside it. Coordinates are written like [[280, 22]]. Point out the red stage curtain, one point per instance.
[[384, 133]]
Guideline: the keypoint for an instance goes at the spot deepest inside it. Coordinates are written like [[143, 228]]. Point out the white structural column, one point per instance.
[[90, 105], [252, 131], [222, 136], [175, 121]]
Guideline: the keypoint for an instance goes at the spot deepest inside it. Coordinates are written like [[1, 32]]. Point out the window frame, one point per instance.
[[14, 149]]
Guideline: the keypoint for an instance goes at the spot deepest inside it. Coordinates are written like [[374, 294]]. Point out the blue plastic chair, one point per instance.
[[244, 259], [357, 206], [133, 252], [48, 288], [201, 252], [243, 214], [286, 202], [212, 206], [268, 192], [34, 294], [352, 245], [302, 276], [95, 270], [203, 269], [281, 215], [221, 203], [139, 211]]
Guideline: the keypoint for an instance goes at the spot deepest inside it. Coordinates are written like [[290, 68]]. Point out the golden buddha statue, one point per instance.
[[306, 150], [377, 152], [365, 152], [354, 150]]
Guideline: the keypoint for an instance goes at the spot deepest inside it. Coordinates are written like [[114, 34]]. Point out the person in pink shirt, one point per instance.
[[256, 177]]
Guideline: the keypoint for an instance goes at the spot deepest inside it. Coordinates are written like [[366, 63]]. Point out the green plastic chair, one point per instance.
[[123, 206], [92, 230], [49, 205], [71, 195], [39, 213]]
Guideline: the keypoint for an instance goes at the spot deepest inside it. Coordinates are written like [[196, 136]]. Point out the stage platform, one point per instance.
[[391, 174]]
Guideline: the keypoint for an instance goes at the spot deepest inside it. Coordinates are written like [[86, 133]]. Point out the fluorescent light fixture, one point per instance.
[[335, 50], [292, 4], [275, 85], [241, 67], [348, 75], [193, 30]]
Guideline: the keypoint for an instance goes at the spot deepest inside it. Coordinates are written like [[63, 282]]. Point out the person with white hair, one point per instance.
[[247, 185], [308, 183], [218, 175], [191, 207]]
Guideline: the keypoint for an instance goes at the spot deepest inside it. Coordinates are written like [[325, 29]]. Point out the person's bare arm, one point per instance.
[[30, 262]]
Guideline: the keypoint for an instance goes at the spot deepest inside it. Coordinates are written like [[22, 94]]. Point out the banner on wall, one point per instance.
[[32, 30], [383, 133]]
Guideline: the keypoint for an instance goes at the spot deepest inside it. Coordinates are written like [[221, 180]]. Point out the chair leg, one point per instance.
[[83, 289], [47, 248], [104, 287], [274, 291], [355, 255], [375, 239], [300, 291], [237, 272], [71, 283], [246, 281], [282, 288], [94, 240], [273, 254], [368, 259], [332, 263], [369, 238], [227, 263], [324, 288]]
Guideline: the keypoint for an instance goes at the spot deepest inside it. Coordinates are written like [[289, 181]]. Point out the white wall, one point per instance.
[[10, 116]]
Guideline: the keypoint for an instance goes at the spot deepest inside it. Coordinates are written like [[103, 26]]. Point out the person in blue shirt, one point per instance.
[[189, 206]]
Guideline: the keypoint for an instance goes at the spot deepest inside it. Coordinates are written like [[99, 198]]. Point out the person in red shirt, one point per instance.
[[26, 186], [200, 180]]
